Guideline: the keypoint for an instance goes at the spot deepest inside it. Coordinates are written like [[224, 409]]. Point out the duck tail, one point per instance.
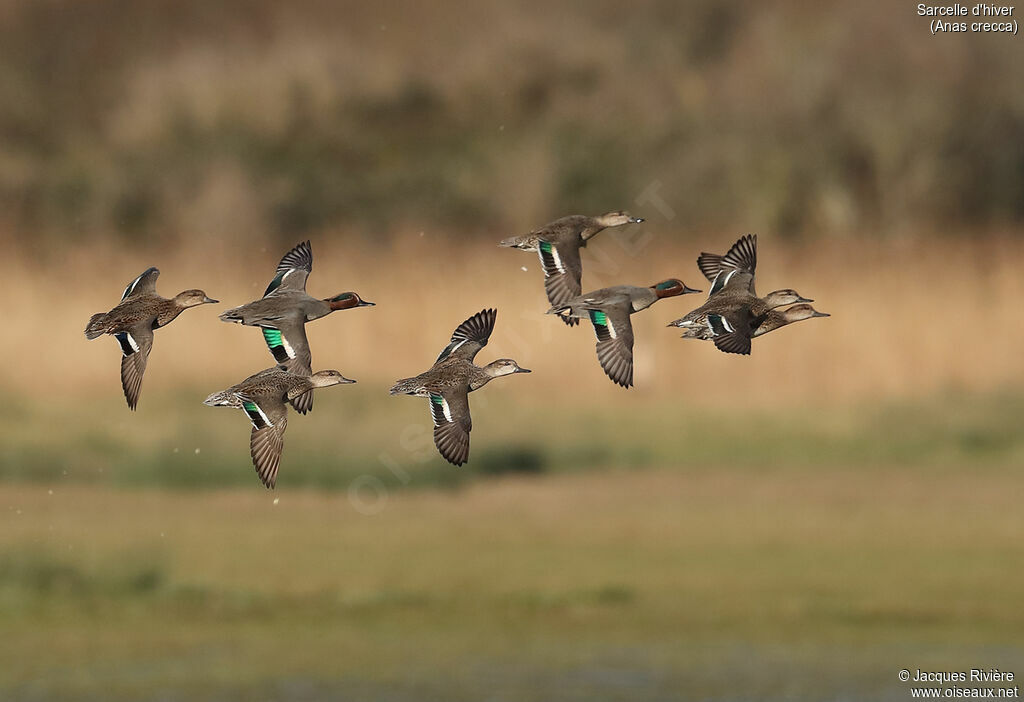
[[221, 399], [97, 325], [565, 314], [232, 315], [405, 386], [523, 243]]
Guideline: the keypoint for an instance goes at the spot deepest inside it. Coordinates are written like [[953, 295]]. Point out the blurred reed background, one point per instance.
[[798, 524]]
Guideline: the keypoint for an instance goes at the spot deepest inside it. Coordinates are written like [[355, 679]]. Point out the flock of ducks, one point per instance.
[[731, 317]]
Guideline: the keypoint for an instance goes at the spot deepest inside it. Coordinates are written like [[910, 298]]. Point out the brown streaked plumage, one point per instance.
[[284, 310], [558, 244], [262, 397], [450, 380], [728, 301], [733, 312], [741, 257], [609, 309], [776, 319], [733, 333], [132, 322]]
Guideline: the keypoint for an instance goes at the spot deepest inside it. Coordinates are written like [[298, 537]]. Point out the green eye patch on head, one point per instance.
[[343, 296], [666, 284]]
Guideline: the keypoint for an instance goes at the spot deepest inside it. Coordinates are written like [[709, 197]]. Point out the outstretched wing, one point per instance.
[[144, 284], [470, 336], [614, 343], [731, 333], [136, 344], [452, 424], [563, 272], [292, 271], [288, 343], [732, 280], [741, 257], [269, 420]]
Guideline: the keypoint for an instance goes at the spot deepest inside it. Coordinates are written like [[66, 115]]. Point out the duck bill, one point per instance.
[[687, 290], [804, 299], [365, 303], [345, 381], [523, 370], [209, 301], [820, 314], [636, 220]]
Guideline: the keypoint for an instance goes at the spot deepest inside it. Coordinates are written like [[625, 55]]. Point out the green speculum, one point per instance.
[[273, 337]]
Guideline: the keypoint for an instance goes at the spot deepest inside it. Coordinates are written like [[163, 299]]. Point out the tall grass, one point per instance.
[[910, 318]]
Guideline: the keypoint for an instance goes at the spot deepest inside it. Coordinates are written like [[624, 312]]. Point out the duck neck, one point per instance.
[[592, 229], [772, 321], [315, 309], [169, 310], [643, 299], [479, 377]]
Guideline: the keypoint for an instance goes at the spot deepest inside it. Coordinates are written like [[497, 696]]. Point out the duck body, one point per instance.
[[150, 309], [263, 397], [286, 305], [609, 310], [627, 298], [733, 334], [449, 381], [132, 322], [276, 383], [733, 313], [285, 308], [558, 244], [564, 232], [454, 373], [729, 302]]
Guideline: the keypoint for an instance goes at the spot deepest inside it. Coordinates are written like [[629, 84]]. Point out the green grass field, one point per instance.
[[809, 557], [175, 441]]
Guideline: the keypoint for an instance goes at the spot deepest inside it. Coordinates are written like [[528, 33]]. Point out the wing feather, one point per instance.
[[144, 284], [742, 257], [266, 441], [470, 336], [731, 334], [135, 347], [614, 343], [450, 411], [293, 270], [290, 348], [563, 273]]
